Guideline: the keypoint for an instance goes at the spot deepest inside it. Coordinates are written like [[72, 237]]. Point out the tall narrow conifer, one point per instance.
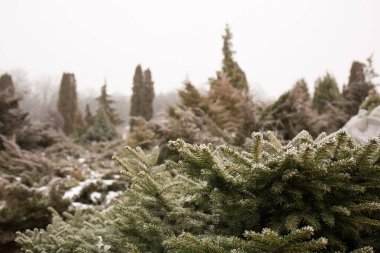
[[68, 105]]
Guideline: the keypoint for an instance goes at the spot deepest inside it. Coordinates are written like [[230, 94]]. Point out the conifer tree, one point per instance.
[[326, 92], [190, 97], [231, 109], [307, 196], [68, 105], [104, 102], [89, 118], [143, 95], [101, 130], [371, 101], [148, 95], [230, 67], [290, 114], [137, 94], [11, 116], [357, 88]]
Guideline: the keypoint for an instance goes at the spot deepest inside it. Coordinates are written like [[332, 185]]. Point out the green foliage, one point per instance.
[[310, 195], [371, 101], [230, 67], [326, 92], [264, 242], [143, 134], [38, 136], [357, 88], [26, 191], [290, 113], [105, 103], [89, 118], [143, 94], [190, 97], [102, 130], [225, 112], [11, 116], [68, 106]]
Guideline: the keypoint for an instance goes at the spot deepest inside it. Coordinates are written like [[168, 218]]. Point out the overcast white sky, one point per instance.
[[277, 42]]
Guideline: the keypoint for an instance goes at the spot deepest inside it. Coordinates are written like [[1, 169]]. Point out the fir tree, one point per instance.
[[307, 196], [104, 102], [230, 67], [68, 105], [101, 130], [356, 90], [326, 92], [11, 116]]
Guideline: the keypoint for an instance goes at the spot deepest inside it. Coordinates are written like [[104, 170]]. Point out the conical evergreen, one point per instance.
[[190, 97], [143, 95], [11, 116], [230, 67], [356, 90], [68, 105], [290, 114], [148, 95], [104, 102], [101, 130], [137, 93], [326, 93], [89, 118]]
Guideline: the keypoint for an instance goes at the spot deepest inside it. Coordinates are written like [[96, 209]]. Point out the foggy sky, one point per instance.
[[277, 42]]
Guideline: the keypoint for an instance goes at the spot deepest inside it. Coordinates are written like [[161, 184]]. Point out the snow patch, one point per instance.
[[95, 197], [75, 191], [81, 206], [111, 195]]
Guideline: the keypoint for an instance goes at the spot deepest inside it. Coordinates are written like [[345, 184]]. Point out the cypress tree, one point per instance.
[[105, 103], [142, 95], [11, 116], [326, 92], [68, 105], [137, 93], [357, 89], [230, 67], [148, 95]]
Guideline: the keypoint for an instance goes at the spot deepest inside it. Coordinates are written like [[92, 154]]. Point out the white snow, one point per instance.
[[75, 191], [111, 195], [95, 197], [81, 206], [107, 182]]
